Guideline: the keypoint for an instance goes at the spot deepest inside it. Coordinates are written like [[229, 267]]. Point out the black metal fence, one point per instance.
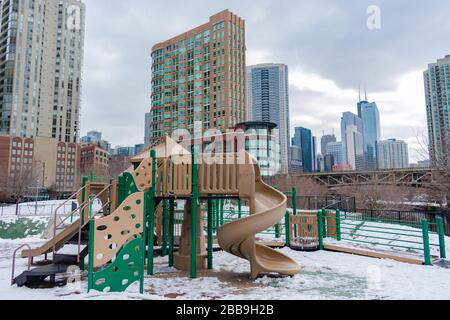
[[348, 204], [342, 203], [408, 217]]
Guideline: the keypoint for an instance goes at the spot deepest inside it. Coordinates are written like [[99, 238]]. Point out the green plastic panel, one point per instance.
[[130, 184], [123, 272]]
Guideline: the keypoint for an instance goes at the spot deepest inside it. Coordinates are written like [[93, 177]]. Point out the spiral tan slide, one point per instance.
[[267, 208]]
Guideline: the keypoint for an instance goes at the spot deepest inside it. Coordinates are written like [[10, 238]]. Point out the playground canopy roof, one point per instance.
[[168, 147]]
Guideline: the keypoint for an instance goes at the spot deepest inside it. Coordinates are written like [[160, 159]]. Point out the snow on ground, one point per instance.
[[43, 208], [325, 276], [398, 240]]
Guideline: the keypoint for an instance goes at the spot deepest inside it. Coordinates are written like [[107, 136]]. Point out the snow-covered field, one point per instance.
[[43, 208], [325, 275]]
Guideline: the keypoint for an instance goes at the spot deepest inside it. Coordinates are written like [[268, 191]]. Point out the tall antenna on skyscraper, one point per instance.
[[365, 91], [359, 93]]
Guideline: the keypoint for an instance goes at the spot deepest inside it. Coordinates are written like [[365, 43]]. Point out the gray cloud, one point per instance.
[[323, 37]]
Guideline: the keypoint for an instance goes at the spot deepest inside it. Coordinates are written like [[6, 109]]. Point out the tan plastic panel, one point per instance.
[[219, 174], [306, 225], [159, 222], [162, 177], [180, 173], [113, 231], [143, 175]]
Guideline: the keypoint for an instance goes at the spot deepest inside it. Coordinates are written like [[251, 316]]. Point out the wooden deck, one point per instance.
[[372, 254]]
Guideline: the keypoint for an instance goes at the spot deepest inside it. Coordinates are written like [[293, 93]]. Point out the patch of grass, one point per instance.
[[21, 228]]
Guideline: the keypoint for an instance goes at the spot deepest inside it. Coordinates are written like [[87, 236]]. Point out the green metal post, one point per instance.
[[294, 200], [143, 243], [217, 213], [441, 231], [221, 212], [277, 231], [91, 255], [426, 243], [194, 205], [151, 217], [164, 227], [91, 203], [324, 223], [338, 225], [92, 176], [213, 215], [320, 227], [294, 206], [83, 199], [210, 235], [171, 230], [239, 208], [287, 225]]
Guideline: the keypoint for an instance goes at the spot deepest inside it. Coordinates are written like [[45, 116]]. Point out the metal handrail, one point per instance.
[[81, 209], [55, 214], [13, 268], [71, 213]]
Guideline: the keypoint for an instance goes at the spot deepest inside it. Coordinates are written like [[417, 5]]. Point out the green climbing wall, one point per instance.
[[124, 271]]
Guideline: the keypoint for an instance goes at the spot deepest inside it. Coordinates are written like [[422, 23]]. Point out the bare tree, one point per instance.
[[16, 185], [439, 189]]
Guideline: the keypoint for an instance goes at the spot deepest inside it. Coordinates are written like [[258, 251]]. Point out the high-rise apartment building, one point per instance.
[[41, 58], [393, 154], [268, 100], [437, 94], [198, 78], [370, 116], [148, 127]]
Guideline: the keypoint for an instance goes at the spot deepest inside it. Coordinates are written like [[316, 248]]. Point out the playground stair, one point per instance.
[[76, 234], [38, 276]]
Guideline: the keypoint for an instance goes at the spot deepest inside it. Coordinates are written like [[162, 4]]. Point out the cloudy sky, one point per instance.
[[326, 44]]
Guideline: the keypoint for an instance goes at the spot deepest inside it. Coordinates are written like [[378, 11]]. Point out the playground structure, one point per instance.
[[171, 203], [120, 236]]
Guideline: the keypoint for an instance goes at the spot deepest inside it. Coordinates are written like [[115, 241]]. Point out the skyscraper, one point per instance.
[[354, 150], [40, 68], [324, 141], [393, 154], [368, 112], [352, 140], [336, 150], [303, 138], [437, 94], [198, 77], [268, 100]]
